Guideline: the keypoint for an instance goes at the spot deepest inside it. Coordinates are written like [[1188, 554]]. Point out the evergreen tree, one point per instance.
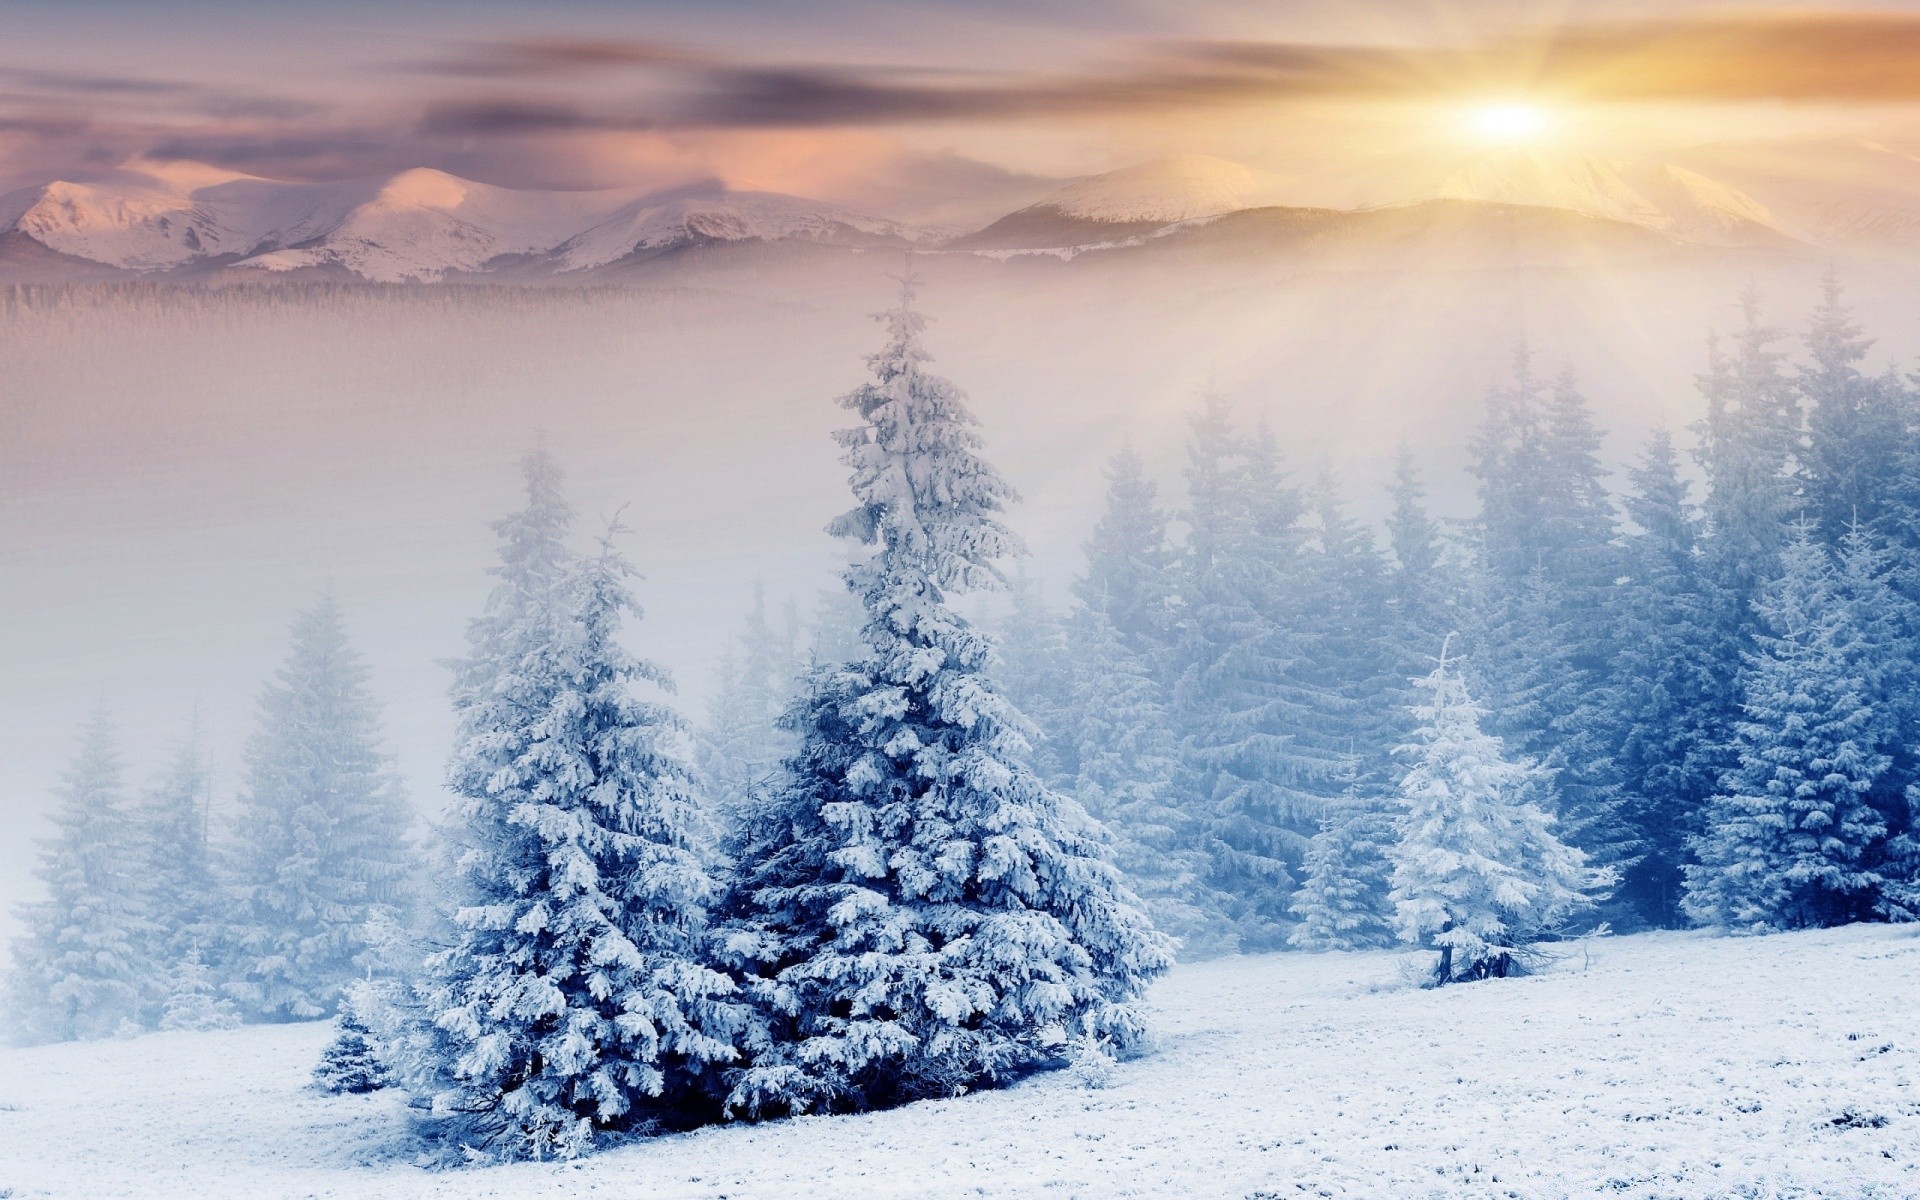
[[1032, 667], [1419, 589], [1263, 746], [80, 969], [1547, 568], [741, 743], [1857, 427], [1342, 903], [1788, 838], [1129, 564], [350, 1065], [1350, 646], [193, 1003], [321, 835], [1750, 444], [1127, 759], [572, 1000], [916, 913], [1673, 698], [181, 886], [1477, 871]]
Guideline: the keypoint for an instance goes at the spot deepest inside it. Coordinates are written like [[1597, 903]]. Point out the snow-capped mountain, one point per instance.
[[712, 213], [1672, 200], [419, 225], [1123, 204], [1844, 192]]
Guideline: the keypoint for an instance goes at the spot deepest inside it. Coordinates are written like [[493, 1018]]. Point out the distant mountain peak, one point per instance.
[[1659, 196], [1124, 203], [1183, 187]]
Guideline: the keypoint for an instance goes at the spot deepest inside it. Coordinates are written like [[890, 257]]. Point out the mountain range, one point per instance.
[[190, 221]]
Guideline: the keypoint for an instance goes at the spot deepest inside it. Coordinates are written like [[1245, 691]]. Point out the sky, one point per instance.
[[927, 109]]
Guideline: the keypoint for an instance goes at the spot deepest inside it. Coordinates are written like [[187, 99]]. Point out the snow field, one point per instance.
[[1660, 1065]]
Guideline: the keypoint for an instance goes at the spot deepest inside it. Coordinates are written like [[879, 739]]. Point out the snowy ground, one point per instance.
[[1664, 1065]]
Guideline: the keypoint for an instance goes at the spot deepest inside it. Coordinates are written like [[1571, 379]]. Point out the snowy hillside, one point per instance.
[[1672, 200], [417, 225], [1661, 1065]]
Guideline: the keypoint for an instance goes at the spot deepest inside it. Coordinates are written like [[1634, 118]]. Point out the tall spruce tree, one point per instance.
[[573, 1000], [180, 881], [1347, 878], [1478, 874], [80, 969], [1032, 667], [1127, 758], [1674, 690], [916, 913], [1548, 563], [1263, 745], [321, 835], [741, 743], [1750, 445], [1857, 427], [1129, 562], [1788, 838]]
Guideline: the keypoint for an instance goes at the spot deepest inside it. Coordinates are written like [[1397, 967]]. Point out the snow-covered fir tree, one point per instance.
[[80, 969], [1032, 667], [1857, 427], [1129, 562], [1264, 743], [1671, 701], [572, 1001], [741, 743], [177, 869], [1788, 837], [1126, 759], [193, 1002], [350, 1064], [1478, 873], [321, 835], [1346, 879], [916, 914]]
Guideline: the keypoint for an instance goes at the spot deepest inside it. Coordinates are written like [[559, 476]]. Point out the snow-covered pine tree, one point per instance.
[[350, 1064], [1420, 588], [1478, 874], [1033, 670], [1542, 635], [741, 743], [321, 833], [1352, 651], [1345, 881], [1263, 746], [177, 860], [80, 970], [916, 913], [573, 1000], [1129, 565], [1127, 756], [1787, 839], [1750, 445], [193, 1003], [1857, 426], [1673, 698]]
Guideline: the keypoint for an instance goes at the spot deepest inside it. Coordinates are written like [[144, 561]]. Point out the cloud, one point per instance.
[[1835, 57], [535, 57]]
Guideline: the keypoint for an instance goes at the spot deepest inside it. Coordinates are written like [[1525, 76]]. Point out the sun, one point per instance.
[[1510, 121]]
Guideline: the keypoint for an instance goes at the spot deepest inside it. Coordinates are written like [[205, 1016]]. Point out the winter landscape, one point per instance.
[[649, 600]]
